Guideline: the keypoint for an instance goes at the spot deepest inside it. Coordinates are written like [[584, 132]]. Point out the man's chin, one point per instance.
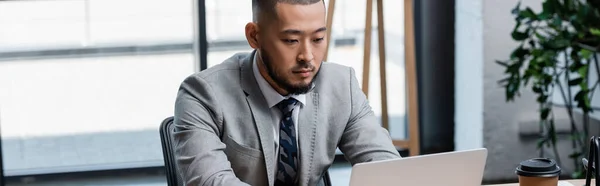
[[303, 81], [303, 84], [299, 88]]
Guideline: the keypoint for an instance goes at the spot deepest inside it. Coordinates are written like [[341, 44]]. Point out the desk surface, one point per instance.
[[574, 182]]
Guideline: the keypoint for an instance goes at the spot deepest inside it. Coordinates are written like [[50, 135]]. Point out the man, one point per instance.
[[275, 116]]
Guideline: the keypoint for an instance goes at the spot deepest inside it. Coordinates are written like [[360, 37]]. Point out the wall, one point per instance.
[[468, 114]]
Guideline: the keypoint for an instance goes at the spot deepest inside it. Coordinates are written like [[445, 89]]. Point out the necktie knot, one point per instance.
[[287, 105]]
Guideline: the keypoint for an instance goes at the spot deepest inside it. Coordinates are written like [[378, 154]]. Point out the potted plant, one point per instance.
[[558, 52]]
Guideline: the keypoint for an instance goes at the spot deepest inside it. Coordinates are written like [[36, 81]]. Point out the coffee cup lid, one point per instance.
[[538, 167]]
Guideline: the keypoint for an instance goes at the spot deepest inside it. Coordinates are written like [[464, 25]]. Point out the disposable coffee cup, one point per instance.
[[538, 172]]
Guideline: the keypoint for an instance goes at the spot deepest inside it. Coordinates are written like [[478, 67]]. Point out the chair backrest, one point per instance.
[[326, 179], [166, 131], [173, 177]]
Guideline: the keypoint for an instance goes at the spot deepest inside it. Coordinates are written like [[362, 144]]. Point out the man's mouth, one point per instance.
[[303, 72]]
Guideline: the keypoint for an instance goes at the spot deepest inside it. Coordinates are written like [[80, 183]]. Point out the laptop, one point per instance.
[[457, 168]]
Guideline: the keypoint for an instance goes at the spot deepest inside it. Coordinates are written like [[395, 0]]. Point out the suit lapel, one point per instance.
[[260, 112], [307, 128]]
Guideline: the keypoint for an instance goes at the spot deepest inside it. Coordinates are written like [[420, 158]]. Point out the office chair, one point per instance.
[[166, 129], [593, 157], [173, 177]]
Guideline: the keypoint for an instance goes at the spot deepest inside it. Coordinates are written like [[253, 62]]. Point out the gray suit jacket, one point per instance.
[[224, 133]]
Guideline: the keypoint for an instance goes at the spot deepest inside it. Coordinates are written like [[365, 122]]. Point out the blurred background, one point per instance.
[[84, 84]]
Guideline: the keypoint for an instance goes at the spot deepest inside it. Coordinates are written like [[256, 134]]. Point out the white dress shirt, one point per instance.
[[273, 98]]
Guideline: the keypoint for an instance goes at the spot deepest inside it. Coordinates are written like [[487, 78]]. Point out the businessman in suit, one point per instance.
[[276, 115]]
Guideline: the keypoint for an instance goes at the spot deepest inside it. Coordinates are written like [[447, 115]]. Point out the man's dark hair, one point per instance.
[[267, 7]]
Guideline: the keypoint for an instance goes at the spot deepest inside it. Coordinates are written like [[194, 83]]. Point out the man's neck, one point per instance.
[[262, 69]]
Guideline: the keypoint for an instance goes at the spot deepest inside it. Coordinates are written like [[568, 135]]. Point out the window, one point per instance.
[[349, 25], [86, 83]]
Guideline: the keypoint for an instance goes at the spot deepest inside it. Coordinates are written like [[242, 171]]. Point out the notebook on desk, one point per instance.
[[458, 168]]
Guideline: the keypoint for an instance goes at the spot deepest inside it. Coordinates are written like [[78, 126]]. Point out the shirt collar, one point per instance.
[[272, 96]]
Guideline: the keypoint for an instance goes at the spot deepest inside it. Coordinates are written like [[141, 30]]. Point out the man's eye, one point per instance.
[[318, 40], [290, 41]]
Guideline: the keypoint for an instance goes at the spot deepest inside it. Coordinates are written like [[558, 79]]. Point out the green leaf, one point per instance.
[[531, 43], [545, 112], [594, 15], [540, 37], [547, 79], [543, 16], [527, 76], [569, 5], [576, 66], [579, 95], [528, 13], [515, 10], [558, 44], [515, 67], [575, 81], [520, 36], [583, 70], [502, 63], [541, 142], [578, 175], [583, 101], [548, 7], [575, 154], [542, 99], [538, 60], [519, 53], [580, 35], [536, 89], [561, 8], [512, 89], [582, 16], [586, 54], [557, 22], [595, 32], [504, 81]]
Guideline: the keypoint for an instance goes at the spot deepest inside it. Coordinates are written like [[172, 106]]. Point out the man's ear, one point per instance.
[[252, 35]]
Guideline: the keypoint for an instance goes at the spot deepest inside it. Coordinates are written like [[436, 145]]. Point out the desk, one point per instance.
[[574, 182]]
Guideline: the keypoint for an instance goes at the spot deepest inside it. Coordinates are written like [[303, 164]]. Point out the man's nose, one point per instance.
[[306, 53]]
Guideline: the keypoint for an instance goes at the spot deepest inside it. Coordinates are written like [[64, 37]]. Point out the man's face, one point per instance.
[[292, 46]]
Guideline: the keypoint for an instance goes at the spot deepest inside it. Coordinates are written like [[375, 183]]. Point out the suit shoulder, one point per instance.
[[335, 79], [334, 66], [335, 73]]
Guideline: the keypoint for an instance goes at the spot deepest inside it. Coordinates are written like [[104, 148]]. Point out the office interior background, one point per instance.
[[84, 84]]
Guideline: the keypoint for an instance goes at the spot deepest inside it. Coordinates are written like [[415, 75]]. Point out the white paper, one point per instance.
[[564, 183]]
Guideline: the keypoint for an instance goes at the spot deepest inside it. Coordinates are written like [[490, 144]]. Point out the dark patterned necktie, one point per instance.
[[287, 166]]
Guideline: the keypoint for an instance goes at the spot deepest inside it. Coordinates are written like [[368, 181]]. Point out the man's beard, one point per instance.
[[282, 82]]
